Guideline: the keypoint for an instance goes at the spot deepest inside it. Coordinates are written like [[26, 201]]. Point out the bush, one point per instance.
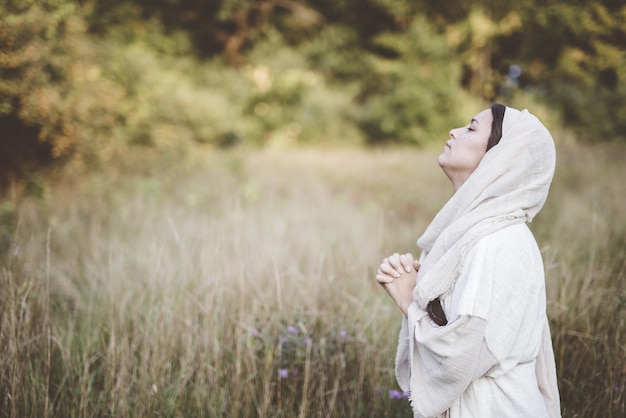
[[291, 104], [168, 105], [414, 98], [335, 53], [596, 114], [54, 104]]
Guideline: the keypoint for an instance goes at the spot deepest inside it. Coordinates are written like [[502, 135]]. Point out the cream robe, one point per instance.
[[494, 359]]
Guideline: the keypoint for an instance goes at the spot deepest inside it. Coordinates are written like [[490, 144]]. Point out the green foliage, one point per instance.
[[596, 115], [168, 106], [290, 104], [54, 104], [335, 53], [412, 99], [82, 81], [278, 91], [580, 44]]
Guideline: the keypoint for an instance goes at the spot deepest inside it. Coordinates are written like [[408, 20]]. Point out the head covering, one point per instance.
[[509, 186]]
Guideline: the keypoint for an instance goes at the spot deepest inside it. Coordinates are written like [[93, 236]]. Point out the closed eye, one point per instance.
[[469, 127]]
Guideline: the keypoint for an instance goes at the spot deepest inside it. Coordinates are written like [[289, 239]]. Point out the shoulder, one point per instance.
[[514, 233], [516, 241], [510, 259], [501, 267], [508, 255]]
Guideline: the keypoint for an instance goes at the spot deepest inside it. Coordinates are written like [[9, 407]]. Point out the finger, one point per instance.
[[394, 261], [407, 262], [383, 279], [388, 270], [416, 265]]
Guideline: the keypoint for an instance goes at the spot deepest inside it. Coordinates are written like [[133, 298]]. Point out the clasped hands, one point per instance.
[[397, 274]]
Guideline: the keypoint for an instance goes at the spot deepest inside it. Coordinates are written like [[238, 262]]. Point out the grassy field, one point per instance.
[[242, 285]]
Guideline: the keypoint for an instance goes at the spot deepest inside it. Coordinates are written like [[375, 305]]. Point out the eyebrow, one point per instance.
[[474, 120]]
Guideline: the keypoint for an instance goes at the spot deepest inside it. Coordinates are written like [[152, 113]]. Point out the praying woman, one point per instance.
[[475, 340]]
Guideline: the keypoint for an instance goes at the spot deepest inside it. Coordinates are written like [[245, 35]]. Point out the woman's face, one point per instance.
[[465, 148]]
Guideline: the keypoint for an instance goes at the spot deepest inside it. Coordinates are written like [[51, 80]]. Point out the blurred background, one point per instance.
[[195, 195], [84, 81]]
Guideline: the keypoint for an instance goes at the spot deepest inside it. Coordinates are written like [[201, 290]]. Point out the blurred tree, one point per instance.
[[569, 41], [414, 98], [67, 93], [227, 27], [367, 18], [574, 52], [570, 51], [335, 52], [53, 103]]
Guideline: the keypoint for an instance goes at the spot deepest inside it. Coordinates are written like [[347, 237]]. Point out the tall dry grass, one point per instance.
[[242, 285]]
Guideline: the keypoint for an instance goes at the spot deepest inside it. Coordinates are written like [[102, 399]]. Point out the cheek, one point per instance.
[[476, 154]]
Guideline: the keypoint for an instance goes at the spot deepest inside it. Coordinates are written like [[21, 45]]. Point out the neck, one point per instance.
[[457, 180]]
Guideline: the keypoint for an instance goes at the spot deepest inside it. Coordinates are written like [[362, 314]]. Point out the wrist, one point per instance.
[[404, 306]]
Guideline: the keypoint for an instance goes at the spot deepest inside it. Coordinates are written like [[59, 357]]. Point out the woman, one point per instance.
[[475, 340]]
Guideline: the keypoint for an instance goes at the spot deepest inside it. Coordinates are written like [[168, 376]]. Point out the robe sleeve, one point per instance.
[[545, 369], [445, 359]]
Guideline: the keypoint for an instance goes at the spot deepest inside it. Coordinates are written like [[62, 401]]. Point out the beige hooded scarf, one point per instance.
[[507, 189], [509, 186]]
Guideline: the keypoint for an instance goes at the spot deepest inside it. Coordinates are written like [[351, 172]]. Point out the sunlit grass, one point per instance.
[[241, 284]]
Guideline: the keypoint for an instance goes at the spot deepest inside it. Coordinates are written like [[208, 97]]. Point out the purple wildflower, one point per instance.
[[294, 372], [406, 394], [395, 394], [343, 333], [255, 333], [283, 373], [307, 341], [292, 330]]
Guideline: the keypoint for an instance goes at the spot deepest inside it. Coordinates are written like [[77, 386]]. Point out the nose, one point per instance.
[[454, 131]]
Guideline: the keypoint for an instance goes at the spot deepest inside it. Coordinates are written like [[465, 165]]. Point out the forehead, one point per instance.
[[484, 118]]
